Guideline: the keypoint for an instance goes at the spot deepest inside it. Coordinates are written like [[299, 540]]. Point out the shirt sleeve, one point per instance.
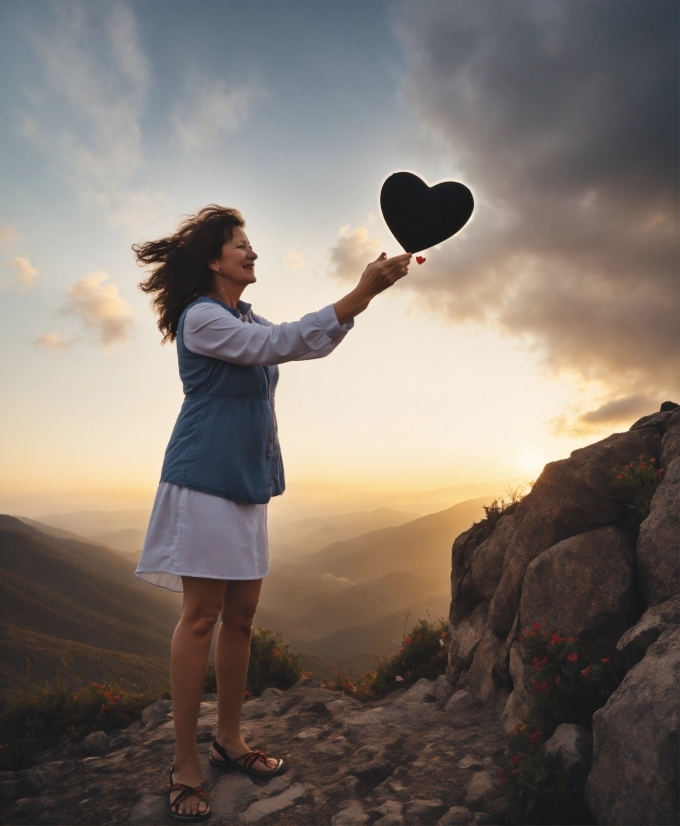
[[210, 330]]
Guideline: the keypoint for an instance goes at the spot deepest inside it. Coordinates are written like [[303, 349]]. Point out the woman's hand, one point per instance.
[[377, 277]]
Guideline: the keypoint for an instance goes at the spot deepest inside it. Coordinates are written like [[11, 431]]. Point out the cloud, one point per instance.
[[87, 118], [211, 109], [27, 274], [294, 260], [55, 341], [8, 233], [563, 120], [623, 411], [100, 308], [352, 252]]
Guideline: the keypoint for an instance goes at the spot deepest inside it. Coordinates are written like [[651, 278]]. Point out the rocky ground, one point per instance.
[[419, 756]]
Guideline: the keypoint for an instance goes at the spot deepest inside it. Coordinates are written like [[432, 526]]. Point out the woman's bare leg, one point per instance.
[[232, 652], [189, 656]]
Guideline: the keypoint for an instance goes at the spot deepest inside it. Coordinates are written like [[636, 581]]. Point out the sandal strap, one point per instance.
[[253, 757], [198, 791], [249, 758], [183, 795]]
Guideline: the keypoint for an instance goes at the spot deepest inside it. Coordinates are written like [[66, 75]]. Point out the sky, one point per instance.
[[548, 322]]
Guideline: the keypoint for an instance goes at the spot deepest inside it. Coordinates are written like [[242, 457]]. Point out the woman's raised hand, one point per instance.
[[377, 277], [383, 273]]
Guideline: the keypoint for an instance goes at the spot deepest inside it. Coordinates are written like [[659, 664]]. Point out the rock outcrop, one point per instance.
[[570, 558], [634, 778]]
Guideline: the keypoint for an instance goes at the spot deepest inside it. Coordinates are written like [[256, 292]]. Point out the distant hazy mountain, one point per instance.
[[58, 589], [423, 544], [128, 541], [92, 523], [304, 536], [352, 598]]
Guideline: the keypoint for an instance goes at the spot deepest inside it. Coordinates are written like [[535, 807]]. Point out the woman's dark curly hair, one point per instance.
[[180, 263]]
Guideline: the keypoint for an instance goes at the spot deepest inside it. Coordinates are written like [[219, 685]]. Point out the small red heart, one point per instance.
[[420, 259]]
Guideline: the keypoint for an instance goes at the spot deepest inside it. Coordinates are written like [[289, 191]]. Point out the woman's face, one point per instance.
[[237, 262]]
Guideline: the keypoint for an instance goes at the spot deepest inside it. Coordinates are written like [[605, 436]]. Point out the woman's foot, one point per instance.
[[237, 755], [187, 798]]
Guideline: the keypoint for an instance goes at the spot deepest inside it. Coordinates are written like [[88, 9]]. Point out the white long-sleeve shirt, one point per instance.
[[210, 330]]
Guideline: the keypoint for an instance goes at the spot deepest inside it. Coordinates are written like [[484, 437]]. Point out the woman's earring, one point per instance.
[[219, 272]]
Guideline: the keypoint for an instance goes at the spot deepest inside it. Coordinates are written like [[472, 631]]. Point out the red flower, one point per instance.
[[558, 679], [535, 737], [573, 657], [515, 759], [556, 638], [605, 659], [586, 671], [537, 626]]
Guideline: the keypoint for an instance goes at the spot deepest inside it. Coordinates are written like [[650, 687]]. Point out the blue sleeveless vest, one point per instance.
[[225, 440]]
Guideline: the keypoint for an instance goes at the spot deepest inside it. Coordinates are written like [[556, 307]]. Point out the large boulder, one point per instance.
[[583, 587], [658, 421], [571, 748], [519, 704], [659, 618], [486, 565], [464, 597], [634, 778], [481, 680], [570, 497], [670, 447], [464, 639], [658, 547]]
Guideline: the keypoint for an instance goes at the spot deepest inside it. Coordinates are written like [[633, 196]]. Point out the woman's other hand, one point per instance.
[[377, 277]]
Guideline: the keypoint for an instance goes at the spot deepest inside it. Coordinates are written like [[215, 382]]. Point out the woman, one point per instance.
[[208, 531]]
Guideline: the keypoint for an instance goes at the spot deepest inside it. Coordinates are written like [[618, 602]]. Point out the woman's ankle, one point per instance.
[[229, 741]]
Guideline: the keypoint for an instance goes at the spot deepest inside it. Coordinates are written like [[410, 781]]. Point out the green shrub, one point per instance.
[[500, 507], [55, 714], [423, 653], [272, 665], [569, 682], [636, 483], [534, 791]]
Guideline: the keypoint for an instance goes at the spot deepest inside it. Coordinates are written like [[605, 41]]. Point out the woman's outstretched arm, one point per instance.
[[377, 277]]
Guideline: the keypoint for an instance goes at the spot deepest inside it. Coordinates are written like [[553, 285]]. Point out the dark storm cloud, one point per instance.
[[563, 119]]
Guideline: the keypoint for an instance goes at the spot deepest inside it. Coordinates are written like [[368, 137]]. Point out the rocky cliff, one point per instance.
[[570, 558]]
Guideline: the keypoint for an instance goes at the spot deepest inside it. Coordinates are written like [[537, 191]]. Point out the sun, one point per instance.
[[531, 461]]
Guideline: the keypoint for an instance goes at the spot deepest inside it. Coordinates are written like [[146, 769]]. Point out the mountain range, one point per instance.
[[337, 606]]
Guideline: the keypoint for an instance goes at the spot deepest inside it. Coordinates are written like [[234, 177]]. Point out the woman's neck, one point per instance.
[[230, 297]]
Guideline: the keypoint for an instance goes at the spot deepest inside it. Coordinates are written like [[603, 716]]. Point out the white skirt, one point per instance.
[[195, 534]]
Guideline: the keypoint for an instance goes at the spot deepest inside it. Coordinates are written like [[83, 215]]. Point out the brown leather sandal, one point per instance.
[[245, 762], [184, 792]]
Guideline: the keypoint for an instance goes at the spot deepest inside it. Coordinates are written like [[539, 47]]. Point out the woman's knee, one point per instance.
[[239, 619], [201, 619]]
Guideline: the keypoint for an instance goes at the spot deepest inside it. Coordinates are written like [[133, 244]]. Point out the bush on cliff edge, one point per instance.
[[423, 653]]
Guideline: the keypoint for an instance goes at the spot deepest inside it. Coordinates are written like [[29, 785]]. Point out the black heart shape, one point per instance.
[[420, 216]]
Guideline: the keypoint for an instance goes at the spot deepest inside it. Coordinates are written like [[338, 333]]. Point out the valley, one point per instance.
[[339, 604]]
